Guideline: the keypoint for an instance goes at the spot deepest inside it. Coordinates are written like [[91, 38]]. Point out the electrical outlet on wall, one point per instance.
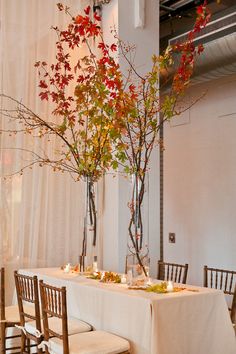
[[171, 237]]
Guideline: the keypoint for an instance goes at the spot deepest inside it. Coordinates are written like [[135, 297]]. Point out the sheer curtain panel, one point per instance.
[[41, 211]]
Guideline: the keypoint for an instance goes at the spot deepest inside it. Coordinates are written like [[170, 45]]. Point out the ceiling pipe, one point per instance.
[[219, 56]]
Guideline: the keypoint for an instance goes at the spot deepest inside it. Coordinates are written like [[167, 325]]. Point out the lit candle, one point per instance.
[[123, 279], [129, 278], [67, 268], [103, 275], [169, 287], [149, 281], [95, 264]]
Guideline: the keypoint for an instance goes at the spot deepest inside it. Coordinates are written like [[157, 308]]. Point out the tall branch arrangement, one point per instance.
[[84, 94], [145, 108], [101, 118]]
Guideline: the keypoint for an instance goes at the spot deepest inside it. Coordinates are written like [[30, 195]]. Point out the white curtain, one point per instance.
[[41, 212]]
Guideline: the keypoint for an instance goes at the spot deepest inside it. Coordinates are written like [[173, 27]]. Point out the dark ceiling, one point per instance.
[[175, 9], [177, 16]]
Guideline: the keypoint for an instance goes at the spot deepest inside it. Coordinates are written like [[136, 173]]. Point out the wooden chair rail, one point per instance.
[[27, 291], [233, 309], [53, 300], [222, 279], [172, 271], [26, 288], [4, 324], [225, 280]]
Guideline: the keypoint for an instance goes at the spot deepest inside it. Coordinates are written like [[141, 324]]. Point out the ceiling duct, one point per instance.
[[219, 56], [172, 8]]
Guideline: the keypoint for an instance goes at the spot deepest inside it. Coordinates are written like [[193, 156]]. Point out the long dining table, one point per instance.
[[194, 320]]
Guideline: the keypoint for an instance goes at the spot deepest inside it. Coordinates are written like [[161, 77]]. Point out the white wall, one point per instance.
[[116, 214], [200, 181]]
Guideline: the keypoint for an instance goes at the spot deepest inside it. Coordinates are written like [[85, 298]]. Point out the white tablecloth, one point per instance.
[[186, 322]]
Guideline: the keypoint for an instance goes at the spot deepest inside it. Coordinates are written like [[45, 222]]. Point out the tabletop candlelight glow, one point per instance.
[[123, 279], [103, 275], [67, 268], [95, 264], [170, 286], [149, 281]]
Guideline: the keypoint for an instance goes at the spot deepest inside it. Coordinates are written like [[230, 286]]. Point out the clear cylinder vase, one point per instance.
[[137, 260], [89, 239]]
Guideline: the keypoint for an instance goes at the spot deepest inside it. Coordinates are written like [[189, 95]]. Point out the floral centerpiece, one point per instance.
[[145, 108], [84, 121], [102, 119]]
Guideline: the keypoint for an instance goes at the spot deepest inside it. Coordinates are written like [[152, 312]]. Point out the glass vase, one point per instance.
[[136, 275], [137, 260], [89, 240]]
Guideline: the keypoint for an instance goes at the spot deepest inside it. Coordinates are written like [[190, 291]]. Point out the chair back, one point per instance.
[[2, 294], [53, 303], [221, 279], [172, 271], [27, 292], [233, 308]]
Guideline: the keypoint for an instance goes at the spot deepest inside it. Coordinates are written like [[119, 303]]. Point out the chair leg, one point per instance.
[[39, 351], [28, 345], [23, 349], [3, 340]]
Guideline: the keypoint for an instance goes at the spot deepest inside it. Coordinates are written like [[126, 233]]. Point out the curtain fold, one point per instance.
[[41, 211]]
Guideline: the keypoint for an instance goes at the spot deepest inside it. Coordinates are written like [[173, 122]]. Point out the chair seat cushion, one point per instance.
[[12, 313], [55, 324], [95, 342]]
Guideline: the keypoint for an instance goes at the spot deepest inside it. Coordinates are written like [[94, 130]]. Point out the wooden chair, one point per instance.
[[30, 319], [30, 322], [53, 301], [9, 317], [224, 280], [172, 271], [233, 310]]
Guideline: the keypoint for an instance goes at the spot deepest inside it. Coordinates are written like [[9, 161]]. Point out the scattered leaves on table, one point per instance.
[[158, 288], [106, 277], [162, 288]]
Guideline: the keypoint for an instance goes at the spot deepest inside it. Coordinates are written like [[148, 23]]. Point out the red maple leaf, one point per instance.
[[200, 10], [113, 95], [113, 47], [44, 95], [96, 16], [101, 45], [110, 83], [200, 48], [54, 96], [80, 78], [134, 96], [93, 29], [87, 10], [79, 19], [43, 84], [131, 88]]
